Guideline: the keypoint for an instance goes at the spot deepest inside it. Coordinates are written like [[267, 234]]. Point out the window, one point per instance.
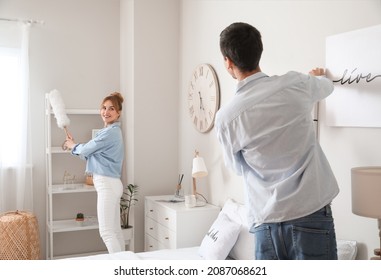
[[11, 106], [16, 183]]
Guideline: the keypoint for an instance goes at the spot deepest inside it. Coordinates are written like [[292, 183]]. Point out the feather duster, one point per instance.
[[58, 107]]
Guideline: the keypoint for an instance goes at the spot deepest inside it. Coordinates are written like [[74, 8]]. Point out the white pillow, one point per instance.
[[346, 249], [243, 249], [220, 238]]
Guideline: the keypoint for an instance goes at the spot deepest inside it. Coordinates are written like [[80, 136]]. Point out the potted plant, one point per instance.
[[127, 200], [80, 218]]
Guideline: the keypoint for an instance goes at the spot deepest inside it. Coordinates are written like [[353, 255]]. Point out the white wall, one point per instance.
[[294, 35], [150, 73]]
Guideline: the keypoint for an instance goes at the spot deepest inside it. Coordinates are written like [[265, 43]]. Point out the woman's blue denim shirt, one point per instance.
[[104, 153]]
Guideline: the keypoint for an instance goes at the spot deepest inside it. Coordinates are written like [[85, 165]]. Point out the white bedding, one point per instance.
[[190, 253], [242, 247], [125, 255], [347, 250]]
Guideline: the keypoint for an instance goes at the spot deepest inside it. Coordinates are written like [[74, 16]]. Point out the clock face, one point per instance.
[[203, 97]]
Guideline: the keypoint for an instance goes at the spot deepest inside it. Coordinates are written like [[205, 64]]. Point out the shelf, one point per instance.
[[71, 225], [83, 111], [57, 150], [64, 236], [79, 112], [71, 188]]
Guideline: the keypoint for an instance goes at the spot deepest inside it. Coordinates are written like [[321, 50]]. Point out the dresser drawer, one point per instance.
[[161, 214], [151, 227], [151, 244], [162, 234]]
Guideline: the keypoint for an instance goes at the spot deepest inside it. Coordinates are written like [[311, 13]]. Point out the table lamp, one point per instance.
[[366, 195], [198, 171]]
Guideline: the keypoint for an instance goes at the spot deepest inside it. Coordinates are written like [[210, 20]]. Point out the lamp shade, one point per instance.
[[198, 168], [366, 191]]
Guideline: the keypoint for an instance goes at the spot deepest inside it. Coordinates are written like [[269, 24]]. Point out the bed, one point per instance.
[[227, 238]]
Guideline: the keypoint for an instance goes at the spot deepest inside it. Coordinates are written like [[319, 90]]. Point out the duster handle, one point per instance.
[[67, 135], [66, 131]]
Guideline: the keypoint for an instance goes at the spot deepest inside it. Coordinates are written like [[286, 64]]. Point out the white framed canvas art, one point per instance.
[[353, 62]]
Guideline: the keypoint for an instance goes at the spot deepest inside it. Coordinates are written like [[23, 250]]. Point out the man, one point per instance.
[[268, 137]]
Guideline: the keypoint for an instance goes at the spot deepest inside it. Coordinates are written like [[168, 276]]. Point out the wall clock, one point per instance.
[[203, 97]]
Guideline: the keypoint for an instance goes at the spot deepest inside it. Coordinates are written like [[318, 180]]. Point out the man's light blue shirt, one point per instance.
[[268, 137], [104, 154]]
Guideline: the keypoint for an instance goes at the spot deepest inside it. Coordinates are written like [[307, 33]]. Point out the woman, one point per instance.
[[104, 156]]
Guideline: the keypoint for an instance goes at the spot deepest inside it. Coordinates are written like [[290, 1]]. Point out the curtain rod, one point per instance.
[[30, 21]]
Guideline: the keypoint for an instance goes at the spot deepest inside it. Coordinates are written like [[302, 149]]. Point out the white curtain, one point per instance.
[[16, 182]]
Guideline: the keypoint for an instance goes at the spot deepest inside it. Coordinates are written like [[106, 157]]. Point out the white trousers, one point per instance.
[[109, 191]]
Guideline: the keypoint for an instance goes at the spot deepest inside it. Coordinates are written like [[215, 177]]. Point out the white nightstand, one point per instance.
[[170, 225]]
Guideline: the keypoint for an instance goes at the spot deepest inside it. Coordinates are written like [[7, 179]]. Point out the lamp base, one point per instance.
[[200, 202], [377, 253]]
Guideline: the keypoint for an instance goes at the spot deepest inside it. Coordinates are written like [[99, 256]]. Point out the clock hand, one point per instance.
[[201, 104]]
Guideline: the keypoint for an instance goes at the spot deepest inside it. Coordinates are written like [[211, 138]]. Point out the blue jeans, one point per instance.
[[308, 238]]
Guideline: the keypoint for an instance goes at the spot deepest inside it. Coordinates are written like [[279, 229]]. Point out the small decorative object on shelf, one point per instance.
[[68, 178], [127, 200], [94, 133], [80, 218], [89, 179]]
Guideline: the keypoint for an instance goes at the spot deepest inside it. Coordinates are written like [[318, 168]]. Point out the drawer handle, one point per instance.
[[167, 238], [150, 246], [151, 228], [151, 210], [166, 219]]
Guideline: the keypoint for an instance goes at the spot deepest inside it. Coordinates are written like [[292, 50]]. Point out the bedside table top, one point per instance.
[[165, 201]]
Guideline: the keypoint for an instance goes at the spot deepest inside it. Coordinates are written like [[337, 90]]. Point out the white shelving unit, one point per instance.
[[64, 237]]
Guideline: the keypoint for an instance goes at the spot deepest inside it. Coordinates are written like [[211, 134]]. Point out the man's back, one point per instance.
[[269, 128]]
